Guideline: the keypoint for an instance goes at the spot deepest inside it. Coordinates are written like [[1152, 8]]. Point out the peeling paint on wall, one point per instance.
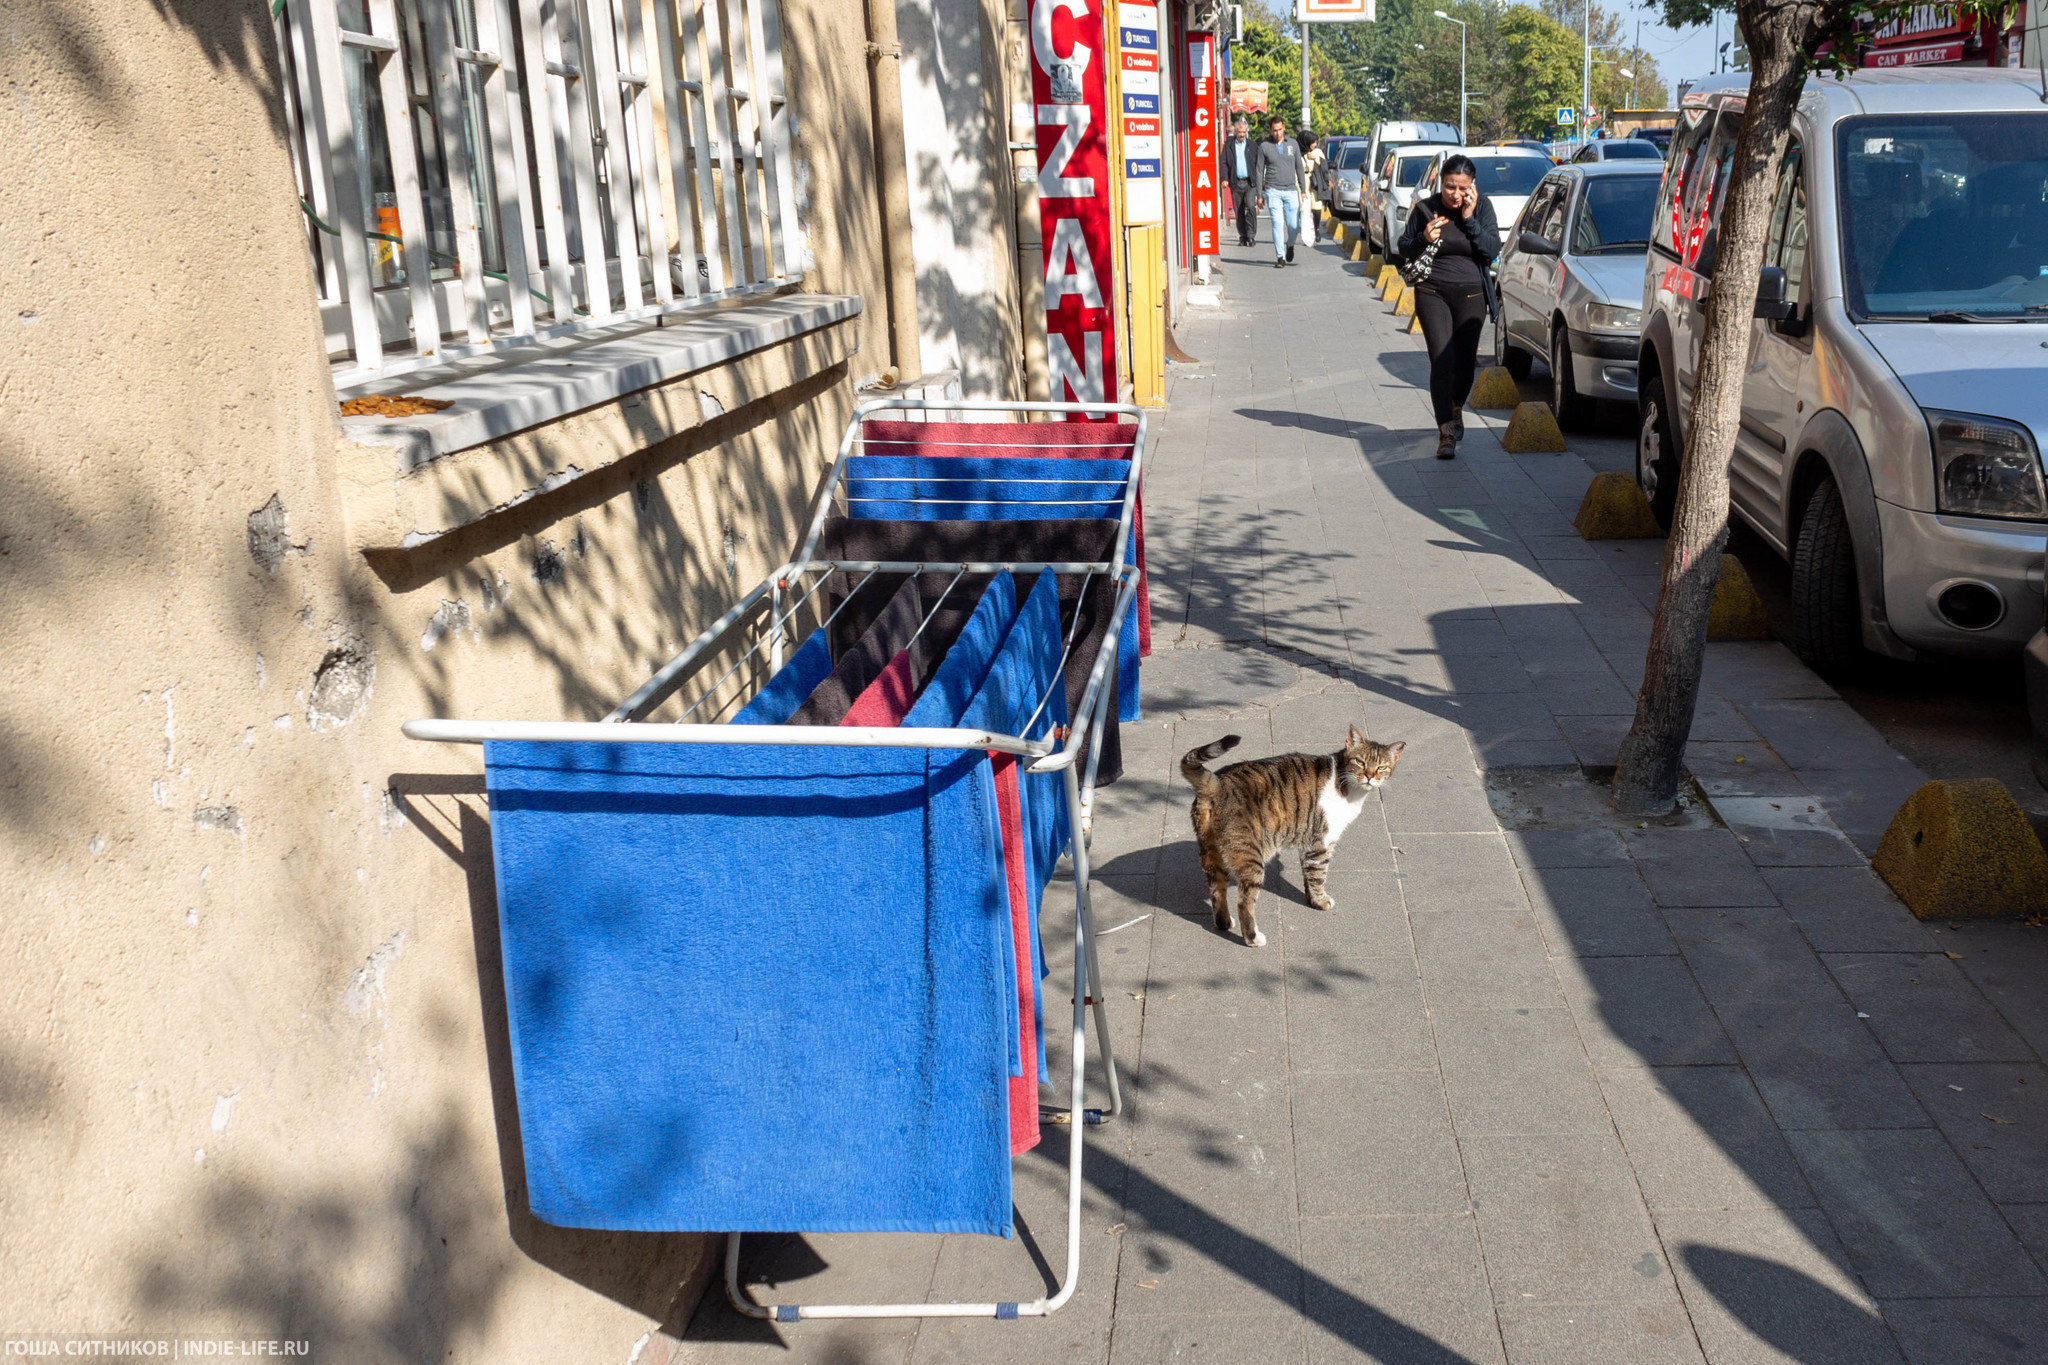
[[341, 686], [366, 983], [270, 538], [224, 818], [450, 618]]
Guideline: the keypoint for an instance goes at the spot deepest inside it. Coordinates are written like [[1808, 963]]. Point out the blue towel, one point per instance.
[[707, 1033], [945, 488], [946, 700], [798, 677], [923, 488], [1025, 673]]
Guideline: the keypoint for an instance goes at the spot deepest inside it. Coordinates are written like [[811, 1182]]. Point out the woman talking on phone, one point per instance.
[[1450, 242]]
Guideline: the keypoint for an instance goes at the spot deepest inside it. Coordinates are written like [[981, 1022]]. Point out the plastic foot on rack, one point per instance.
[[1006, 1310], [788, 1312]]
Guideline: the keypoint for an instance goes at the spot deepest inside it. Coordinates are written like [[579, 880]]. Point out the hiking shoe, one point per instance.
[[1290, 254], [1447, 442], [1279, 265]]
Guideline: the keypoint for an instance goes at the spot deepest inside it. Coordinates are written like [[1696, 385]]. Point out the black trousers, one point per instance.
[[1245, 200], [1453, 317]]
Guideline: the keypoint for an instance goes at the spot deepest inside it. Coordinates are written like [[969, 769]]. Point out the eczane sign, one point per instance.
[[1068, 85]]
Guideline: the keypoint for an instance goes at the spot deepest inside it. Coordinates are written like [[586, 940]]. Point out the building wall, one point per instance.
[[253, 1072]]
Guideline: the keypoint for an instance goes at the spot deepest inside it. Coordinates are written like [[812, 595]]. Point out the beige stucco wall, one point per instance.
[[253, 1078]]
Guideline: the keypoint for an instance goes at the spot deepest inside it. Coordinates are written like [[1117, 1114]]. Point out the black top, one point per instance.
[[1469, 244]]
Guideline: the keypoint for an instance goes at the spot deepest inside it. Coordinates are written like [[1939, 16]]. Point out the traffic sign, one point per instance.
[[1567, 116]]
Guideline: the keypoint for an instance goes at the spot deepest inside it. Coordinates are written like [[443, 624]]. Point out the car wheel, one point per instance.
[[1574, 412], [1656, 451], [1508, 356], [1826, 632]]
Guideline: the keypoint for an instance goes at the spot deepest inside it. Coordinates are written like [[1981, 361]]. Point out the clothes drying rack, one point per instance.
[[783, 596]]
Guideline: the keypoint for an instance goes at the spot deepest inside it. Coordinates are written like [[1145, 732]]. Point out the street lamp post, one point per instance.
[[1461, 71]]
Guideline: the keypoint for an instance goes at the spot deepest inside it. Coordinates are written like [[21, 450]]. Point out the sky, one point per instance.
[[1681, 53]]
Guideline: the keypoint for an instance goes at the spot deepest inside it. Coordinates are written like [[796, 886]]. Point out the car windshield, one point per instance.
[[1515, 175], [1615, 213], [1945, 214], [1351, 155], [1408, 171], [1632, 149]]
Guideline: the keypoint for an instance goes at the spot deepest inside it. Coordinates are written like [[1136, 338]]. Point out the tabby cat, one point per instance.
[[1247, 812]]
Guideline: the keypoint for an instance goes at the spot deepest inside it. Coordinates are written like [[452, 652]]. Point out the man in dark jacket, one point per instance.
[[1238, 153]]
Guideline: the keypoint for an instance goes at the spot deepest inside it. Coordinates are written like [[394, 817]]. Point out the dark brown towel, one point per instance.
[[997, 541], [890, 633]]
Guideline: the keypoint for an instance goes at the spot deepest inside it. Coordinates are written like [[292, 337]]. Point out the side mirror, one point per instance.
[[1771, 302], [1386, 182], [1530, 244]]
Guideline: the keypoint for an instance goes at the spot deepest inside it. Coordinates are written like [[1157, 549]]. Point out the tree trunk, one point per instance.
[[1651, 760]]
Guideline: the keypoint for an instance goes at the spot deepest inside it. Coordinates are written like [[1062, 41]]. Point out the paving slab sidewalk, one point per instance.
[[1543, 1087]]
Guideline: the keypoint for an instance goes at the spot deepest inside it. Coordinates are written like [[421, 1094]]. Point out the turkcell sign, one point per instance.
[[1199, 149], [1069, 87], [1139, 95]]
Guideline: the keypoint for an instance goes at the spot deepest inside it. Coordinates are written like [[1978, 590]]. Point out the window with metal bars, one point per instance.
[[477, 174]]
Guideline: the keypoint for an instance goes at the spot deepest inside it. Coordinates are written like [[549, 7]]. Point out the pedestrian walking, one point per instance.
[[1239, 157], [1447, 252], [1312, 158], [1282, 177]]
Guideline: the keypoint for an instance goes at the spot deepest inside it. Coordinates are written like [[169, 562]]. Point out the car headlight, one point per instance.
[[1612, 317], [1985, 467]]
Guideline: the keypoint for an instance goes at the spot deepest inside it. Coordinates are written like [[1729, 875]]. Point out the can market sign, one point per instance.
[[1069, 89]]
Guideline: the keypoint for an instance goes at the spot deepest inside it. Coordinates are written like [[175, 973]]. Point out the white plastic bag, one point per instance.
[[1306, 235]]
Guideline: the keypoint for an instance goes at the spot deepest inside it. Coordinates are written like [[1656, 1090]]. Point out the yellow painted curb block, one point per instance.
[[1386, 276], [1415, 324], [1390, 289], [1404, 307], [1533, 431], [1339, 234], [1614, 508], [1374, 264], [1358, 249], [1964, 849], [1736, 613], [1495, 388]]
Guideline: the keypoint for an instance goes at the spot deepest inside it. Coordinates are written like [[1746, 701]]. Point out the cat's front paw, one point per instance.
[[1257, 940], [1322, 902]]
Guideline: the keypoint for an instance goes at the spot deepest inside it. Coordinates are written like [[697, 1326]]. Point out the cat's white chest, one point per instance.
[[1338, 813]]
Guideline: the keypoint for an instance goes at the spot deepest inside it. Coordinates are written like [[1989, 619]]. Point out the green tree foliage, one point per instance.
[[1268, 55]]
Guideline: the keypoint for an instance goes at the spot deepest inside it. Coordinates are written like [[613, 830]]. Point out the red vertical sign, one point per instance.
[[1200, 151], [1069, 65]]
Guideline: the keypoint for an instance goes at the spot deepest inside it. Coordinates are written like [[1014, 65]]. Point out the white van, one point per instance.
[[1387, 136]]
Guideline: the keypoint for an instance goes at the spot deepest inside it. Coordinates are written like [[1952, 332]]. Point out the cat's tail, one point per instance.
[[1200, 778]]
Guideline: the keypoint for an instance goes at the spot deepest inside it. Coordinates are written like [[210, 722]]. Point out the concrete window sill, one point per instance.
[[509, 392]]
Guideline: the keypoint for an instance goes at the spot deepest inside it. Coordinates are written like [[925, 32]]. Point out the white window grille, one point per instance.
[[477, 174]]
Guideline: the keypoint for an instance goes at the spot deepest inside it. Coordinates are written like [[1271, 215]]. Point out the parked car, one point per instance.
[[1619, 149], [1571, 283], [1564, 149], [1660, 136], [1894, 402], [1506, 175], [1390, 135], [1389, 197], [1526, 144], [1344, 179], [2034, 668]]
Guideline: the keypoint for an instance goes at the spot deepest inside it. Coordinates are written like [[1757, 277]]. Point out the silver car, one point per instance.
[[1571, 283], [1344, 178], [1896, 395], [1390, 195]]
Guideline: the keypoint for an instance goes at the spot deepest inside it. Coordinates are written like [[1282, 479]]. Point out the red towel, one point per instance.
[[1024, 1088], [886, 700], [1033, 440]]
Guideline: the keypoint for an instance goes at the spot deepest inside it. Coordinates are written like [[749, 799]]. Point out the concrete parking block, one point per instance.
[[1773, 1285], [1699, 1137], [1911, 1218], [1597, 912], [1923, 1009], [1817, 1066], [1848, 910], [1995, 1116], [1397, 1289], [1561, 1221], [1517, 1072], [1641, 1011], [1689, 867], [1376, 1142]]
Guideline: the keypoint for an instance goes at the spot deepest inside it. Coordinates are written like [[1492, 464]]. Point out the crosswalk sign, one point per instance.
[[1567, 116]]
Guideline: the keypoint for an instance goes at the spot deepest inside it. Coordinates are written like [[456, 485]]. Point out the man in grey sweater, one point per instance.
[[1281, 178]]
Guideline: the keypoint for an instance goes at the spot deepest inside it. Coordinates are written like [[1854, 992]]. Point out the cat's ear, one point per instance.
[[1394, 750], [1353, 739]]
